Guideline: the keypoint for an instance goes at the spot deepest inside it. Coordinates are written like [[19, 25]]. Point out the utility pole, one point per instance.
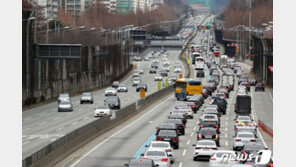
[[250, 24]]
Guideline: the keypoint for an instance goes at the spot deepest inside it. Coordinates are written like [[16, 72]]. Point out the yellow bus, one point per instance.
[[187, 87]]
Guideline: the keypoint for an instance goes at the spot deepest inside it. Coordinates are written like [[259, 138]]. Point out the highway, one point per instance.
[[44, 124]]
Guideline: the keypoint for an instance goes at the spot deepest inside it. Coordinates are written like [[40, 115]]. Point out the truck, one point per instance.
[[243, 105]]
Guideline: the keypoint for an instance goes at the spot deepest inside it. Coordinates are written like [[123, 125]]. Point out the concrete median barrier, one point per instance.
[[62, 147]]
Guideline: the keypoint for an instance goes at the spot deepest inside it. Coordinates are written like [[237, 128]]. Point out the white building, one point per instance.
[[142, 5], [110, 5]]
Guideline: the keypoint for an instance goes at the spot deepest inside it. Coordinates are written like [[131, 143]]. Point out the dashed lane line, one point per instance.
[[25, 142], [188, 142], [191, 134], [74, 123], [57, 118], [180, 164], [26, 129], [184, 152], [60, 128], [43, 123]]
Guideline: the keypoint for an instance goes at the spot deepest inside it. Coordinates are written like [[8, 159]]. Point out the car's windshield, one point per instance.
[[65, 102], [86, 94], [110, 89], [102, 107]]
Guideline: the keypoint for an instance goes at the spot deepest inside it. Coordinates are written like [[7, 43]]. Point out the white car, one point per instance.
[[223, 158], [136, 81], [166, 63], [101, 111], [122, 88], [110, 92], [141, 70], [241, 92], [187, 109], [241, 138], [136, 73], [204, 149], [155, 61], [159, 156], [209, 117], [158, 78], [163, 145], [178, 70]]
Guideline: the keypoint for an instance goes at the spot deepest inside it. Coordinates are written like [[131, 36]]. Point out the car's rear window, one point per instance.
[[163, 145], [208, 131], [170, 133], [244, 135], [207, 123], [206, 143]]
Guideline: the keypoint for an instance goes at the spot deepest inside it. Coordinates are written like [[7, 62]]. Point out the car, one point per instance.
[[224, 91], [166, 68], [137, 58], [113, 102], [170, 136], [141, 70], [259, 86], [243, 118], [65, 105], [103, 110], [209, 117], [159, 156], [136, 81], [141, 86], [242, 138], [209, 133], [187, 109], [158, 78], [166, 126], [196, 99], [221, 103], [152, 70], [247, 84], [179, 112], [163, 145], [136, 73], [246, 126], [154, 65], [178, 70], [253, 82], [122, 88], [221, 95], [180, 125], [223, 158], [110, 91], [86, 97], [140, 163], [163, 73], [146, 58], [252, 148], [115, 84], [178, 116], [64, 97], [193, 106], [241, 92], [212, 111], [155, 61], [204, 149], [209, 123], [200, 73]]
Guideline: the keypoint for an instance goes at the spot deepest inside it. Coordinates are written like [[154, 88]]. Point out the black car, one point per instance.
[[140, 163], [115, 84], [209, 123], [163, 73], [200, 73], [179, 116], [152, 70], [259, 86], [141, 86], [170, 136], [221, 103], [113, 102], [166, 126], [180, 125], [210, 134]]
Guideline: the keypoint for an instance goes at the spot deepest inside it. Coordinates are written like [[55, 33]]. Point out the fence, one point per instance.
[[265, 128]]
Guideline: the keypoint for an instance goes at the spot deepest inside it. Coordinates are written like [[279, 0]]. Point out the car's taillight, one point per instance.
[[201, 126], [175, 139], [164, 160], [238, 140], [145, 158], [199, 136], [253, 140], [158, 130], [236, 121], [269, 165], [181, 126], [194, 106], [159, 138], [217, 136], [214, 148], [168, 150], [213, 159], [216, 127]]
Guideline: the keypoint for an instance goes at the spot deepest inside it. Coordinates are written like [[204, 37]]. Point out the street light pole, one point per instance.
[[250, 23]]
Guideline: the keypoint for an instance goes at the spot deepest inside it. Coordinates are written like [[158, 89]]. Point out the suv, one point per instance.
[[86, 97], [170, 136]]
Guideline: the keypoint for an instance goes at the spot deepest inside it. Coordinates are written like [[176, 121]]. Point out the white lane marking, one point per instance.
[[74, 123], [180, 164], [27, 118], [226, 118], [226, 129], [60, 128], [101, 143], [226, 123], [270, 96], [226, 143], [184, 152], [53, 139], [226, 135], [194, 128], [188, 142], [191, 134], [85, 117], [42, 114], [43, 123], [26, 129], [57, 118], [70, 114], [25, 142]]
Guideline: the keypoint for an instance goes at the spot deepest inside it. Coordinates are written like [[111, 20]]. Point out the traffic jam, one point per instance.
[[217, 104]]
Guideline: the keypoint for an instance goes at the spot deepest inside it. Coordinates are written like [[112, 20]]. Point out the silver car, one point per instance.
[[159, 156], [86, 97], [242, 138], [122, 88], [63, 97], [65, 106]]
